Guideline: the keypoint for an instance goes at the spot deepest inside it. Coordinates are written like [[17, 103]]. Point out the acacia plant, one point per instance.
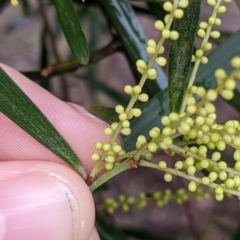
[[181, 120]]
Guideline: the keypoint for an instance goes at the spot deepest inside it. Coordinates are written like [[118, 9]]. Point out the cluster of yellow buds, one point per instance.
[[160, 199], [109, 155]]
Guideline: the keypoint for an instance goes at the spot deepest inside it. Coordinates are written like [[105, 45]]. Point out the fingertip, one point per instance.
[[41, 200]]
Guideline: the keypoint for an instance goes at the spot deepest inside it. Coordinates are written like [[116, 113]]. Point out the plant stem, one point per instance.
[[108, 175], [175, 172]]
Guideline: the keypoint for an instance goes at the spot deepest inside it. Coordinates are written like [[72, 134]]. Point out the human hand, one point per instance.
[[41, 198]]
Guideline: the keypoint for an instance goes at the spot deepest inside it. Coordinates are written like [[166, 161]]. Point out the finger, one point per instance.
[[94, 235], [43, 200], [80, 129]]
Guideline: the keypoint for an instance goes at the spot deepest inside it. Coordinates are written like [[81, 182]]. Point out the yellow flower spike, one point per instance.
[[189, 161], [117, 148], [167, 131], [237, 166], [202, 150], [98, 145], [14, 3], [194, 149], [166, 18], [167, 141], [236, 181], [152, 147], [106, 147], [168, 6], [114, 125], [211, 21], [108, 131], [109, 166], [230, 84], [204, 163], [211, 2], [159, 25], [126, 124], [122, 152], [138, 145], [199, 53], [161, 61], [205, 180], [141, 64], [151, 42], [110, 159], [174, 35], [191, 109], [220, 74], [191, 170], [236, 142], [191, 100], [142, 139], [211, 95], [215, 34], [128, 89], [192, 186], [137, 89], [216, 156], [184, 128], [219, 197], [165, 120], [166, 33], [136, 112], [143, 97], [221, 145], [219, 190], [204, 60], [178, 165], [207, 46], [236, 155], [173, 116], [201, 92], [162, 165], [222, 165], [229, 183], [218, 21], [235, 62], [148, 156], [178, 13], [183, 3], [151, 50], [95, 157], [210, 108], [221, 9], [126, 131], [153, 133], [161, 50], [203, 25], [227, 94], [152, 73], [212, 176], [168, 177], [122, 116], [201, 33]]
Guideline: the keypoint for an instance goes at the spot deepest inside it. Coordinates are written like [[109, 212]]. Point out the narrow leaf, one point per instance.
[[17, 106], [181, 53], [72, 30], [121, 16]]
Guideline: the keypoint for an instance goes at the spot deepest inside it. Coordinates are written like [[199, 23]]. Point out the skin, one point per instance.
[[42, 197]]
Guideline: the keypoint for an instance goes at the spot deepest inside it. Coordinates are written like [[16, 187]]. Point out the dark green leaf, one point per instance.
[[106, 113], [181, 53], [122, 17], [108, 231], [17, 106], [72, 30]]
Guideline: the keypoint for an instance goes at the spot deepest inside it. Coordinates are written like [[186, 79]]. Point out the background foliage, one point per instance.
[[116, 33]]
